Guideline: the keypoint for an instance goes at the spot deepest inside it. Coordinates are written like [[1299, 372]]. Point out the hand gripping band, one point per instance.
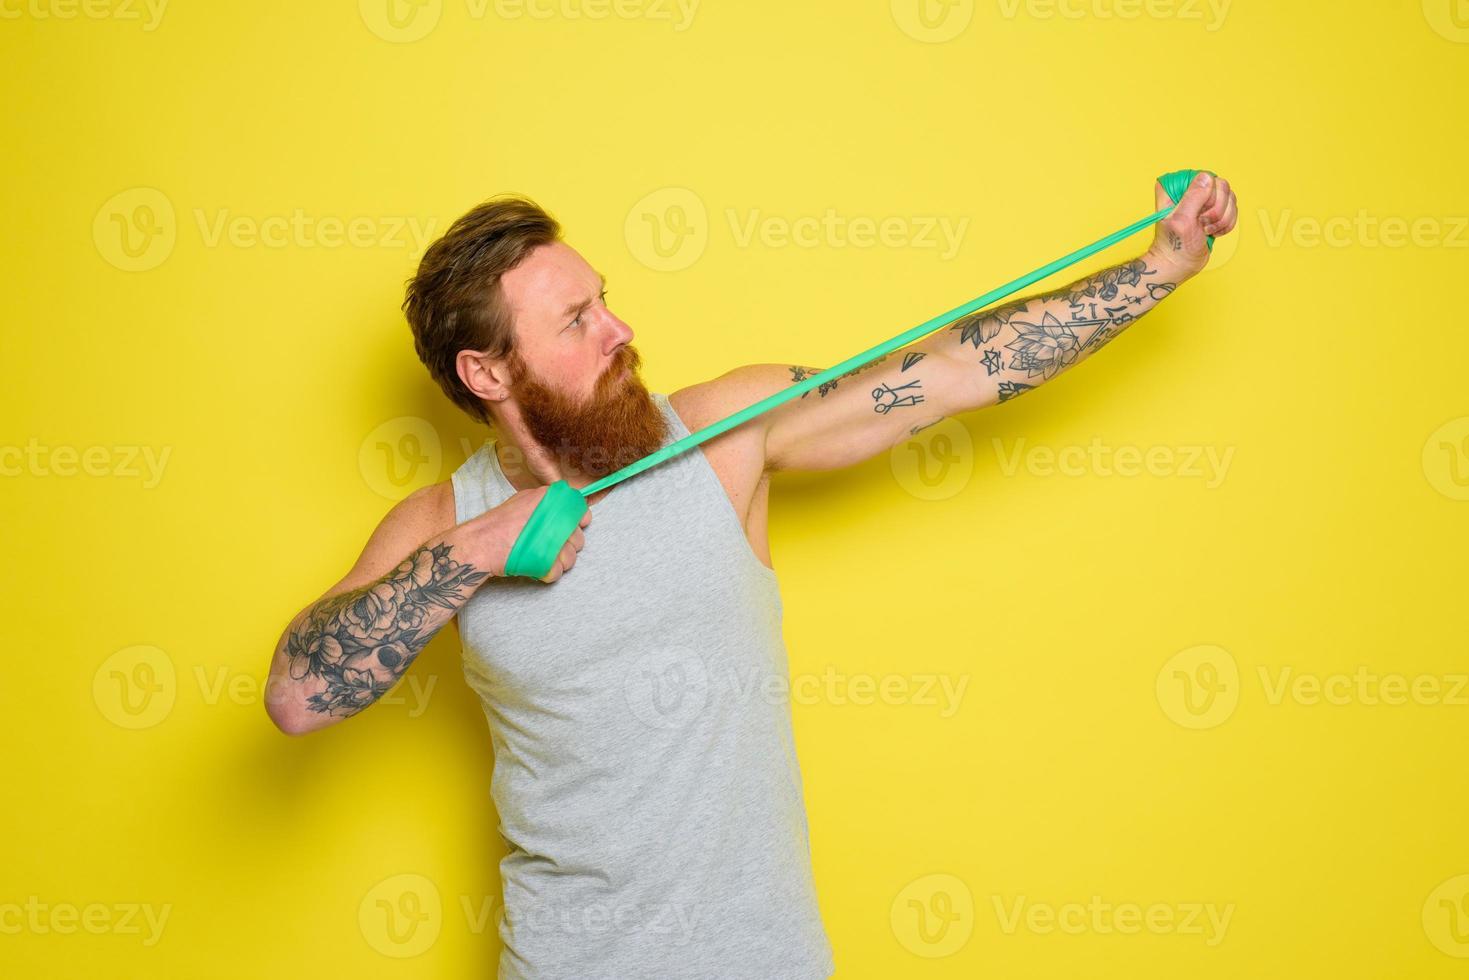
[[559, 513], [553, 521]]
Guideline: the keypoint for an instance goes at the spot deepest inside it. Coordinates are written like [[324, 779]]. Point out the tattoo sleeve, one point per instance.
[[348, 650], [1019, 345]]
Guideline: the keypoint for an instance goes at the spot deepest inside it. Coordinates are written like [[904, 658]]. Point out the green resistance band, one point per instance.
[[559, 513]]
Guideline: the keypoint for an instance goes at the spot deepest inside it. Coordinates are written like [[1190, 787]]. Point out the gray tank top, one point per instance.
[[645, 773]]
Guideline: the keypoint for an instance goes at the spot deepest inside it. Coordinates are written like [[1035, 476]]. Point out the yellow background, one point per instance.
[[1076, 609]]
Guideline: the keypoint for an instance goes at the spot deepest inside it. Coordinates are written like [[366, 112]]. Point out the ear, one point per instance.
[[487, 377]]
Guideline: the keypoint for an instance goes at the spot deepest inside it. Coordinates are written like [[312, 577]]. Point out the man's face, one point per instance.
[[574, 371]]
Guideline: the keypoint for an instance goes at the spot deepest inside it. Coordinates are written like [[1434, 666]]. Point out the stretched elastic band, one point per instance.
[[559, 513], [1174, 184]]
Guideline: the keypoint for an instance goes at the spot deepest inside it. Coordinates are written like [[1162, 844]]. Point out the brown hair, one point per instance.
[[455, 301]]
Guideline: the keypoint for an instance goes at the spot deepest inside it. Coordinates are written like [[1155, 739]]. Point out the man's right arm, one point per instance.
[[347, 649]]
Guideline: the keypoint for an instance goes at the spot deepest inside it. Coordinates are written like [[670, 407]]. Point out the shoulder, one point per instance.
[[739, 455], [429, 508], [709, 401], [423, 514]]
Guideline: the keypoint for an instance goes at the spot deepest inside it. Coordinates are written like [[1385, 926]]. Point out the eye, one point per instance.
[[577, 321]]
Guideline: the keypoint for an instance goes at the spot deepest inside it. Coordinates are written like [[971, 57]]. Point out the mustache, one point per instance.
[[627, 360]]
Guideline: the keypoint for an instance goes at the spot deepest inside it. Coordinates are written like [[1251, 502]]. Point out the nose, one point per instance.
[[619, 336]]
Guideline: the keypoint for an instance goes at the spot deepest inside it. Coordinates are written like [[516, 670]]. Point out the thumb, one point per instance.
[[1194, 198]]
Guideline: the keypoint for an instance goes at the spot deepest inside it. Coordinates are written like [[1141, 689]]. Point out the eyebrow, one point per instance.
[[577, 305]]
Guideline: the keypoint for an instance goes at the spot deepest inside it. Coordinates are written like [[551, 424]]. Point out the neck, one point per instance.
[[527, 464]]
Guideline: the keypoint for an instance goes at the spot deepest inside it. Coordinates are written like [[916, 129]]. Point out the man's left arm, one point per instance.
[[985, 358]]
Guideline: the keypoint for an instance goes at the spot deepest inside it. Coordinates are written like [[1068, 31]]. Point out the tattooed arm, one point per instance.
[[346, 650], [1013, 348], [988, 357]]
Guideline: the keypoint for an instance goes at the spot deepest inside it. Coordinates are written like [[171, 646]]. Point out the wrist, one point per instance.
[[468, 545], [1169, 268]]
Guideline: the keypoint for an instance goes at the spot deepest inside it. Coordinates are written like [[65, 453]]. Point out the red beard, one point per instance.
[[618, 425]]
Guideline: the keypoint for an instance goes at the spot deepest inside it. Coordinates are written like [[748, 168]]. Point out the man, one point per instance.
[[645, 776]]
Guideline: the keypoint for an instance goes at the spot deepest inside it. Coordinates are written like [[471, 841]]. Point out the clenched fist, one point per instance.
[[1180, 241]]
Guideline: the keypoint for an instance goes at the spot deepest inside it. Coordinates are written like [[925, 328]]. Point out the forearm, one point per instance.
[[1015, 347], [346, 651]]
